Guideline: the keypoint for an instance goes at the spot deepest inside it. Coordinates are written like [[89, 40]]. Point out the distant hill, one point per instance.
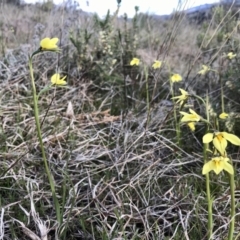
[[204, 12], [195, 14], [200, 13], [201, 8]]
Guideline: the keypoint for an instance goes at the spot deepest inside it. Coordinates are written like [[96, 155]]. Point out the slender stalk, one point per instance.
[[147, 96], [208, 191], [209, 200], [233, 210], [177, 125], [222, 94], [39, 134]]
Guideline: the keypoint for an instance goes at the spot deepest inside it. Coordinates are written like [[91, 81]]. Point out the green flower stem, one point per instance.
[[222, 95], [233, 211], [209, 200], [36, 115], [177, 126], [147, 96], [208, 191], [199, 98]]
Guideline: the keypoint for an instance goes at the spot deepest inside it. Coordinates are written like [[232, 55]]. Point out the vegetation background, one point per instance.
[[110, 135]]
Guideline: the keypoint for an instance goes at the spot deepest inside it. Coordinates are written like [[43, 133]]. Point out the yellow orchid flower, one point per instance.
[[56, 80], [156, 64], [190, 117], [49, 44], [218, 164], [176, 78], [182, 98], [223, 115], [220, 139], [205, 69], [230, 55], [135, 61]]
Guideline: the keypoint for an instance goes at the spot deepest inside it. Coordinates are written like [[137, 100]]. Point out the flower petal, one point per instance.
[[188, 118], [61, 82], [44, 42], [191, 125], [56, 80], [183, 92], [207, 138], [157, 64], [192, 112], [220, 144], [231, 138], [230, 55], [228, 167], [223, 115], [55, 77], [177, 97], [135, 61], [209, 166], [204, 70], [49, 44], [184, 113], [54, 41], [219, 165], [176, 78]]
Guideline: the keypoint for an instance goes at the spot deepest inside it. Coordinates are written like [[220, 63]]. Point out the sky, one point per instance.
[[159, 7]]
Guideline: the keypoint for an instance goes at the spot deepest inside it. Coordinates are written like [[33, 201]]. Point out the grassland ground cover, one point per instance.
[[124, 165]]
